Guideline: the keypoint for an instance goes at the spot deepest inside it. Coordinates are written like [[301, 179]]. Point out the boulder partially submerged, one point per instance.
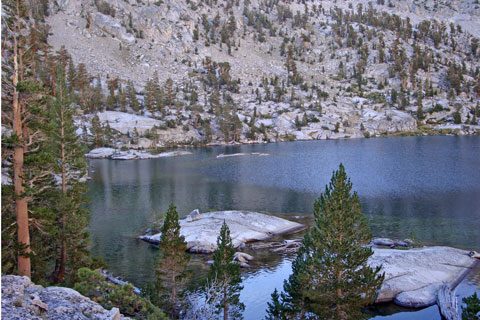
[[413, 277], [201, 230]]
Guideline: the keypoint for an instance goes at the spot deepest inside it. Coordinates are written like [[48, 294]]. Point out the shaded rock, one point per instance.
[[242, 257], [385, 242], [100, 153], [402, 244], [201, 234], [111, 26], [123, 155], [422, 297], [193, 216], [37, 302], [474, 254], [144, 143]]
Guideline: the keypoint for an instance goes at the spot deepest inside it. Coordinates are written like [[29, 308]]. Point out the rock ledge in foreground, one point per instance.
[[201, 233], [22, 299]]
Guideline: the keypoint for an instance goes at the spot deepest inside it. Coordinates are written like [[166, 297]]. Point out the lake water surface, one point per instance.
[[425, 186]]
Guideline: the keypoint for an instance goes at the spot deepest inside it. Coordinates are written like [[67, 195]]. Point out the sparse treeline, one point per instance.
[[363, 32]]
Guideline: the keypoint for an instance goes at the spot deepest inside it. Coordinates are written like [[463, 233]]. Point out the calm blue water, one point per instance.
[[426, 185]]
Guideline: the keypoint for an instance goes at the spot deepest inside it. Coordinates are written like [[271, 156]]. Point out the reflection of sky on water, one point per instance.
[[426, 185], [262, 284]]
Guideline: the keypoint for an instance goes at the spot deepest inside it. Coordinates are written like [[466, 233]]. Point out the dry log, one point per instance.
[[287, 246]]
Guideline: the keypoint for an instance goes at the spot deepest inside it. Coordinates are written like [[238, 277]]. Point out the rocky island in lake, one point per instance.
[[201, 229]]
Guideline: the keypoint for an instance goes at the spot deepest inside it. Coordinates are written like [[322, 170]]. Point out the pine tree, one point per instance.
[[71, 75], [275, 309], [226, 273], [474, 120], [207, 131], [122, 99], [457, 117], [149, 98], [157, 94], [132, 97], [330, 276], [172, 262], [70, 236], [112, 99], [236, 124], [31, 206], [420, 114], [97, 132], [170, 95], [108, 135], [91, 98], [82, 79], [23, 112], [472, 307]]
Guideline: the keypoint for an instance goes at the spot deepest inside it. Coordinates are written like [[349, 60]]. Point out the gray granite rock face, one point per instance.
[[413, 277], [23, 300]]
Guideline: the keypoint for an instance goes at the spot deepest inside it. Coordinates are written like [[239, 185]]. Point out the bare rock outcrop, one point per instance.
[[201, 233], [22, 299], [413, 277]]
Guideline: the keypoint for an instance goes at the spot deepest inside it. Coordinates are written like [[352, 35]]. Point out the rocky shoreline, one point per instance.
[[115, 154], [133, 135], [22, 299], [137, 153]]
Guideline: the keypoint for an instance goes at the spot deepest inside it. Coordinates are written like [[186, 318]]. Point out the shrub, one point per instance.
[[93, 284], [472, 308], [105, 8]]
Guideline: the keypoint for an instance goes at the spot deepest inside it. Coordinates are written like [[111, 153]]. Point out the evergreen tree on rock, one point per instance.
[[171, 269], [226, 273], [331, 278]]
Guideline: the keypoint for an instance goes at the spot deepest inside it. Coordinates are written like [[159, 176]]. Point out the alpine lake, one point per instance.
[[422, 187]]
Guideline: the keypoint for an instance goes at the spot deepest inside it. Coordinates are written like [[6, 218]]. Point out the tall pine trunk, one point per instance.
[[21, 206], [225, 302]]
